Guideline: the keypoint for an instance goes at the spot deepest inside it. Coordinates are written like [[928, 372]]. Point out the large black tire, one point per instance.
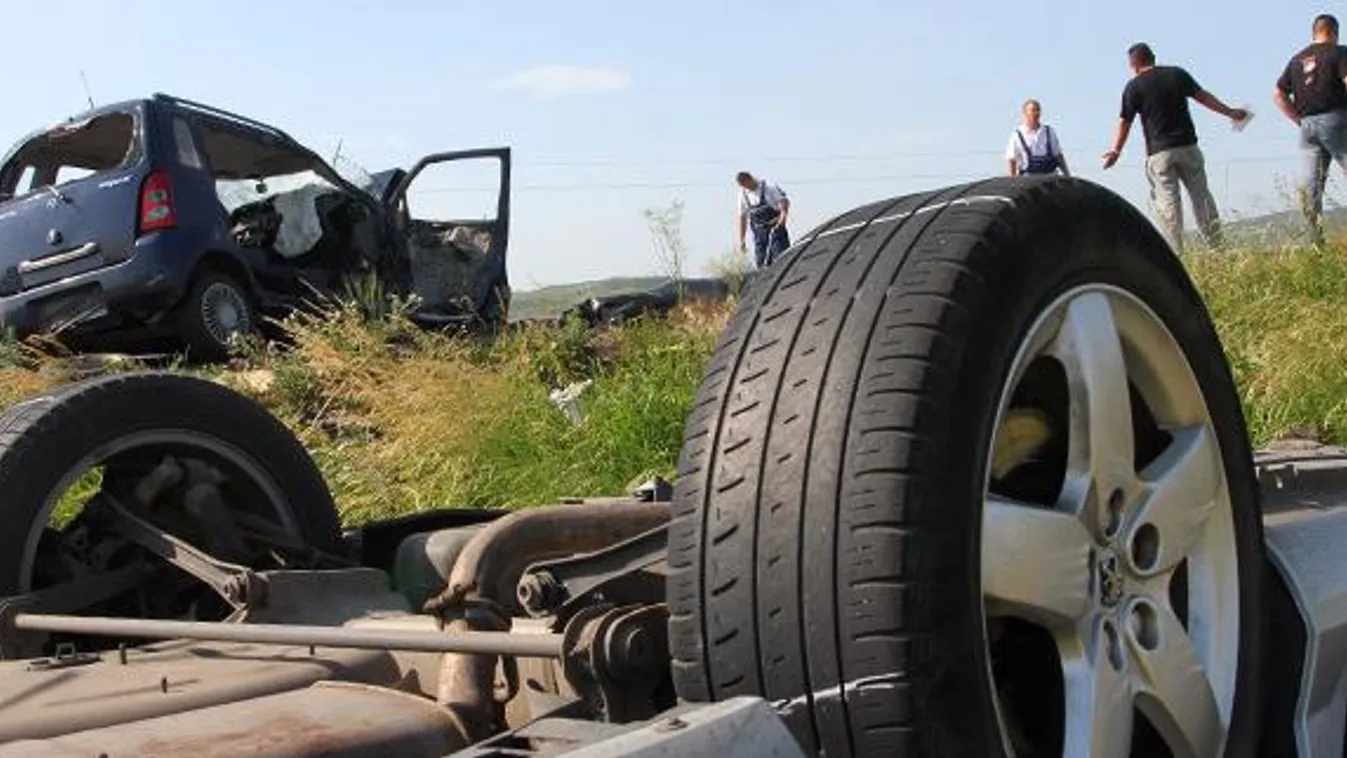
[[43, 438], [827, 512]]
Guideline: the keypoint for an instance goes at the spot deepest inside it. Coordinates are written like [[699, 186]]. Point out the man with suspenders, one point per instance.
[[764, 207], [1034, 148]]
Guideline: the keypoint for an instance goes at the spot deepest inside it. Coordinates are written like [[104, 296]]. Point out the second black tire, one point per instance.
[[44, 438], [828, 503]]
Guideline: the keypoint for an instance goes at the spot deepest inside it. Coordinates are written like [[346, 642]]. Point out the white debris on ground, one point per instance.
[[567, 400]]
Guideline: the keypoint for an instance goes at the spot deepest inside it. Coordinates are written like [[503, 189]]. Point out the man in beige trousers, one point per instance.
[[1160, 94]]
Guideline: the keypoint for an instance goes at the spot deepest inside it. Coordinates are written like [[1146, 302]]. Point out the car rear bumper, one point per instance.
[[73, 295]]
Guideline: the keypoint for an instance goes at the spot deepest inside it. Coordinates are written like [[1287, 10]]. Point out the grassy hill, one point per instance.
[[547, 302], [1279, 230]]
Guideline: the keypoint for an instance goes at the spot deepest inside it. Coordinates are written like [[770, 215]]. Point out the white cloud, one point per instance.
[[557, 80]]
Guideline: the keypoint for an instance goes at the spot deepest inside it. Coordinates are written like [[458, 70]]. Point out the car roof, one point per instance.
[[217, 117]]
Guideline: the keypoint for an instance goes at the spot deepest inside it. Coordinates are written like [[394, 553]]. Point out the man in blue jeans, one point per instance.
[[1312, 92]]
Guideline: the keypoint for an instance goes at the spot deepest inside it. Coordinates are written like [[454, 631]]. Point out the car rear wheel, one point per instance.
[[968, 475], [217, 311], [185, 455]]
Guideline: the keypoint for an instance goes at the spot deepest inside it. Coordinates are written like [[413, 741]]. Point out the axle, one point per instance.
[[492, 643]]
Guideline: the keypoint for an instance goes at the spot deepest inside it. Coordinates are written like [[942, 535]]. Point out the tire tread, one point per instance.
[[823, 392]]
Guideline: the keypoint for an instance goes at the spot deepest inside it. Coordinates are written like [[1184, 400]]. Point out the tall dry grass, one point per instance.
[[400, 420]]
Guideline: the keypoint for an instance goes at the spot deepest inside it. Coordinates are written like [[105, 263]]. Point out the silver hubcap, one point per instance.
[[1093, 563], [224, 312]]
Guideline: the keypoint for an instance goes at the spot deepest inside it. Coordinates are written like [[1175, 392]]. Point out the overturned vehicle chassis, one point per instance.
[[966, 475], [337, 657]]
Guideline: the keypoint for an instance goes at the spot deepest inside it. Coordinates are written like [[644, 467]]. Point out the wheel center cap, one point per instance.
[[1110, 578]]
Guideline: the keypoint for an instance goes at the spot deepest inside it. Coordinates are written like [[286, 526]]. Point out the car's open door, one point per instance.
[[453, 212]]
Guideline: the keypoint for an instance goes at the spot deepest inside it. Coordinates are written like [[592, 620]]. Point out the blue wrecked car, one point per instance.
[[167, 218]]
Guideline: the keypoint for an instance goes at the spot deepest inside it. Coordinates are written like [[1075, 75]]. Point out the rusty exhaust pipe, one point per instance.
[[481, 592]]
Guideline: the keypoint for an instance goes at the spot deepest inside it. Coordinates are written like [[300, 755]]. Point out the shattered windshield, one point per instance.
[[249, 170], [353, 173], [236, 193]]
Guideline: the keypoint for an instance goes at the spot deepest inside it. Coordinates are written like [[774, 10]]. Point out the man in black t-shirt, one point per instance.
[[1312, 92], [1159, 94]]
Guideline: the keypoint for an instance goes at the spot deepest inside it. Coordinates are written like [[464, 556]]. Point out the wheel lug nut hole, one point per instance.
[[1113, 513], [1146, 547], [1113, 646], [1145, 626]]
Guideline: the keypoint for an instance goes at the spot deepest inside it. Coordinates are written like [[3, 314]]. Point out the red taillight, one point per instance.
[[156, 203]]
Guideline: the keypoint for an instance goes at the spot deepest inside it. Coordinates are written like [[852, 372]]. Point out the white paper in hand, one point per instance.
[[1239, 125]]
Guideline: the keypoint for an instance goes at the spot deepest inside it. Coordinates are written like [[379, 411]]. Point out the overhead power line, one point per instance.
[[948, 176], [821, 158], [600, 162], [694, 185]]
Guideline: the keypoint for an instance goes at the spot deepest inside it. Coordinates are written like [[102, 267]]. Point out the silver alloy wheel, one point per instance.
[[224, 312], [1094, 568], [184, 443]]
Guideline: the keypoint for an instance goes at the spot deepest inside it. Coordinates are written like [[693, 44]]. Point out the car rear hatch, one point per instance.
[[71, 199]]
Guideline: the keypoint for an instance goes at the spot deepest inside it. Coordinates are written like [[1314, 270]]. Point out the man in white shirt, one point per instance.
[[764, 207], [1033, 147]]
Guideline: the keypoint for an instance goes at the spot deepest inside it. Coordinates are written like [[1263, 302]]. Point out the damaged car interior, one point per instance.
[[318, 226], [292, 209]]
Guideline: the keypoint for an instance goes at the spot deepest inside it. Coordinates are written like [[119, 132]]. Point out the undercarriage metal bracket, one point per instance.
[[66, 656], [619, 573], [237, 585], [616, 659]]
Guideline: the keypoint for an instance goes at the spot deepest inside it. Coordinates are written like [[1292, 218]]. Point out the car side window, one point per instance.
[[67, 174], [24, 184], [188, 155]]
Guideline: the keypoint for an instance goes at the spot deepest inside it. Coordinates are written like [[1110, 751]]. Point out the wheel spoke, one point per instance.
[[1173, 690], [1035, 563], [1182, 485], [1090, 350], [1099, 710]]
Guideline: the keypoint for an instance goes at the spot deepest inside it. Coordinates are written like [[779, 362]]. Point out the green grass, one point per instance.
[[1282, 318], [400, 420]]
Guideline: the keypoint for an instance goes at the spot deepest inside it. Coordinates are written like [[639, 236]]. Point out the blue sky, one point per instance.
[[607, 104]]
